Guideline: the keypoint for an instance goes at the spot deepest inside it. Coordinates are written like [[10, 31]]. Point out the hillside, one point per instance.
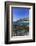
[[20, 27]]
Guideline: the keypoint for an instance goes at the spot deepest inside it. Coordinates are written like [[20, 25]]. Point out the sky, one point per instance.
[[20, 13]]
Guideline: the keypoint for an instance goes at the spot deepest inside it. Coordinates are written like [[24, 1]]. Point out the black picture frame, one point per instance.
[[7, 3]]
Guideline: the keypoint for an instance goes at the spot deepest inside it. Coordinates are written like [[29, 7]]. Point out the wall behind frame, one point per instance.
[[35, 21]]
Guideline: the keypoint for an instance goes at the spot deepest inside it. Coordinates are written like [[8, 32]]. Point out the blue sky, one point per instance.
[[20, 13]]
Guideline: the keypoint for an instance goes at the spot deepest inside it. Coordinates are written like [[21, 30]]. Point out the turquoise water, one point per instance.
[[21, 32]]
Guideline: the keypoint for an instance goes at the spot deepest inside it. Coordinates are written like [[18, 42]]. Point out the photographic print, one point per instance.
[[20, 22]]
